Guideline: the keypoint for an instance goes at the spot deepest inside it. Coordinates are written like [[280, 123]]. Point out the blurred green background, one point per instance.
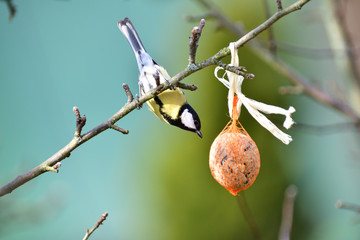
[[155, 182]]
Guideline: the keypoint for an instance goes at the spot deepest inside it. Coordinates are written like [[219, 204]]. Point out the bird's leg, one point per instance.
[[141, 89], [157, 78], [172, 87], [158, 88]]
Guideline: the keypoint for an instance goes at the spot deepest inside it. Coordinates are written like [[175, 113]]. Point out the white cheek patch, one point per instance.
[[187, 119]]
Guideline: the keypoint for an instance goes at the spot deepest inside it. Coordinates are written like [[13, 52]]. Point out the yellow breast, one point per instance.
[[168, 102]]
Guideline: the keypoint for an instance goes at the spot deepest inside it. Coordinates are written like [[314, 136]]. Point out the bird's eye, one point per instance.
[[197, 123]]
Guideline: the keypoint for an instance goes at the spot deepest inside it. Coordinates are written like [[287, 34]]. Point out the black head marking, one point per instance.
[[177, 121]]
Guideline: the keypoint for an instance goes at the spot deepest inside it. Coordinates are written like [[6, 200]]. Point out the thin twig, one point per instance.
[[99, 222], [128, 107], [348, 206], [194, 41], [57, 165], [239, 70], [279, 5], [12, 9], [124, 131], [190, 87], [340, 37], [80, 122], [272, 45], [248, 216], [348, 39], [306, 52], [129, 94], [328, 128], [287, 212], [51, 169]]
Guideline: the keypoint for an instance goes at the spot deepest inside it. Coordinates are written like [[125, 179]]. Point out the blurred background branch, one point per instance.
[[248, 216], [11, 8], [287, 212], [98, 223], [349, 206]]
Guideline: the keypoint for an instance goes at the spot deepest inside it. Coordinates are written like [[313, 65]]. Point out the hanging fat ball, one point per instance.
[[234, 158]]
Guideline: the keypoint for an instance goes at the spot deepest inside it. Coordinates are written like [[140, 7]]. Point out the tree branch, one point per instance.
[[272, 45], [338, 22], [348, 206], [116, 128], [130, 106], [128, 93], [194, 41], [287, 212], [238, 70], [279, 5], [248, 216], [80, 122], [12, 9], [190, 87], [99, 222]]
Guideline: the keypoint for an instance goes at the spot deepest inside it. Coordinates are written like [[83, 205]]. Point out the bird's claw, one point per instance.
[[158, 89], [172, 87]]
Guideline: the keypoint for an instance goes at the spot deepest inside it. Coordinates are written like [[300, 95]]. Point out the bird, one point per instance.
[[169, 106]]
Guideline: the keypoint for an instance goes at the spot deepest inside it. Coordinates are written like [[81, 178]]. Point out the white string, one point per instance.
[[254, 107]]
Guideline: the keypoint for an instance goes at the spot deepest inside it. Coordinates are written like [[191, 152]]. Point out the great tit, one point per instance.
[[171, 105]]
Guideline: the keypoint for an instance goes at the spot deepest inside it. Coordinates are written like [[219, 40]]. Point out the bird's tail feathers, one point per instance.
[[142, 57], [127, 28]]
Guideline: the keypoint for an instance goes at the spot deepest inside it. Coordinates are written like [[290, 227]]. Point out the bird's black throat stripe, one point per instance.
[[158, 101], [177, 121], [165, 115]]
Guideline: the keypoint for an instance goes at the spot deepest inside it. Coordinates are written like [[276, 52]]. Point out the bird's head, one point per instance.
[[189, 120]]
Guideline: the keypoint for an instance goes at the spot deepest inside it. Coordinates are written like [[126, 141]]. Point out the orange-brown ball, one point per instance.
[[234, 161]]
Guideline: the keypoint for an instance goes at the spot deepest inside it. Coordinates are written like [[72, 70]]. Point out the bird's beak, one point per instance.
[[199, 133]]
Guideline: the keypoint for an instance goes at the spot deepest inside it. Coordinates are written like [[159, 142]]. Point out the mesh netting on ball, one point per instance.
[[234, 158]]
